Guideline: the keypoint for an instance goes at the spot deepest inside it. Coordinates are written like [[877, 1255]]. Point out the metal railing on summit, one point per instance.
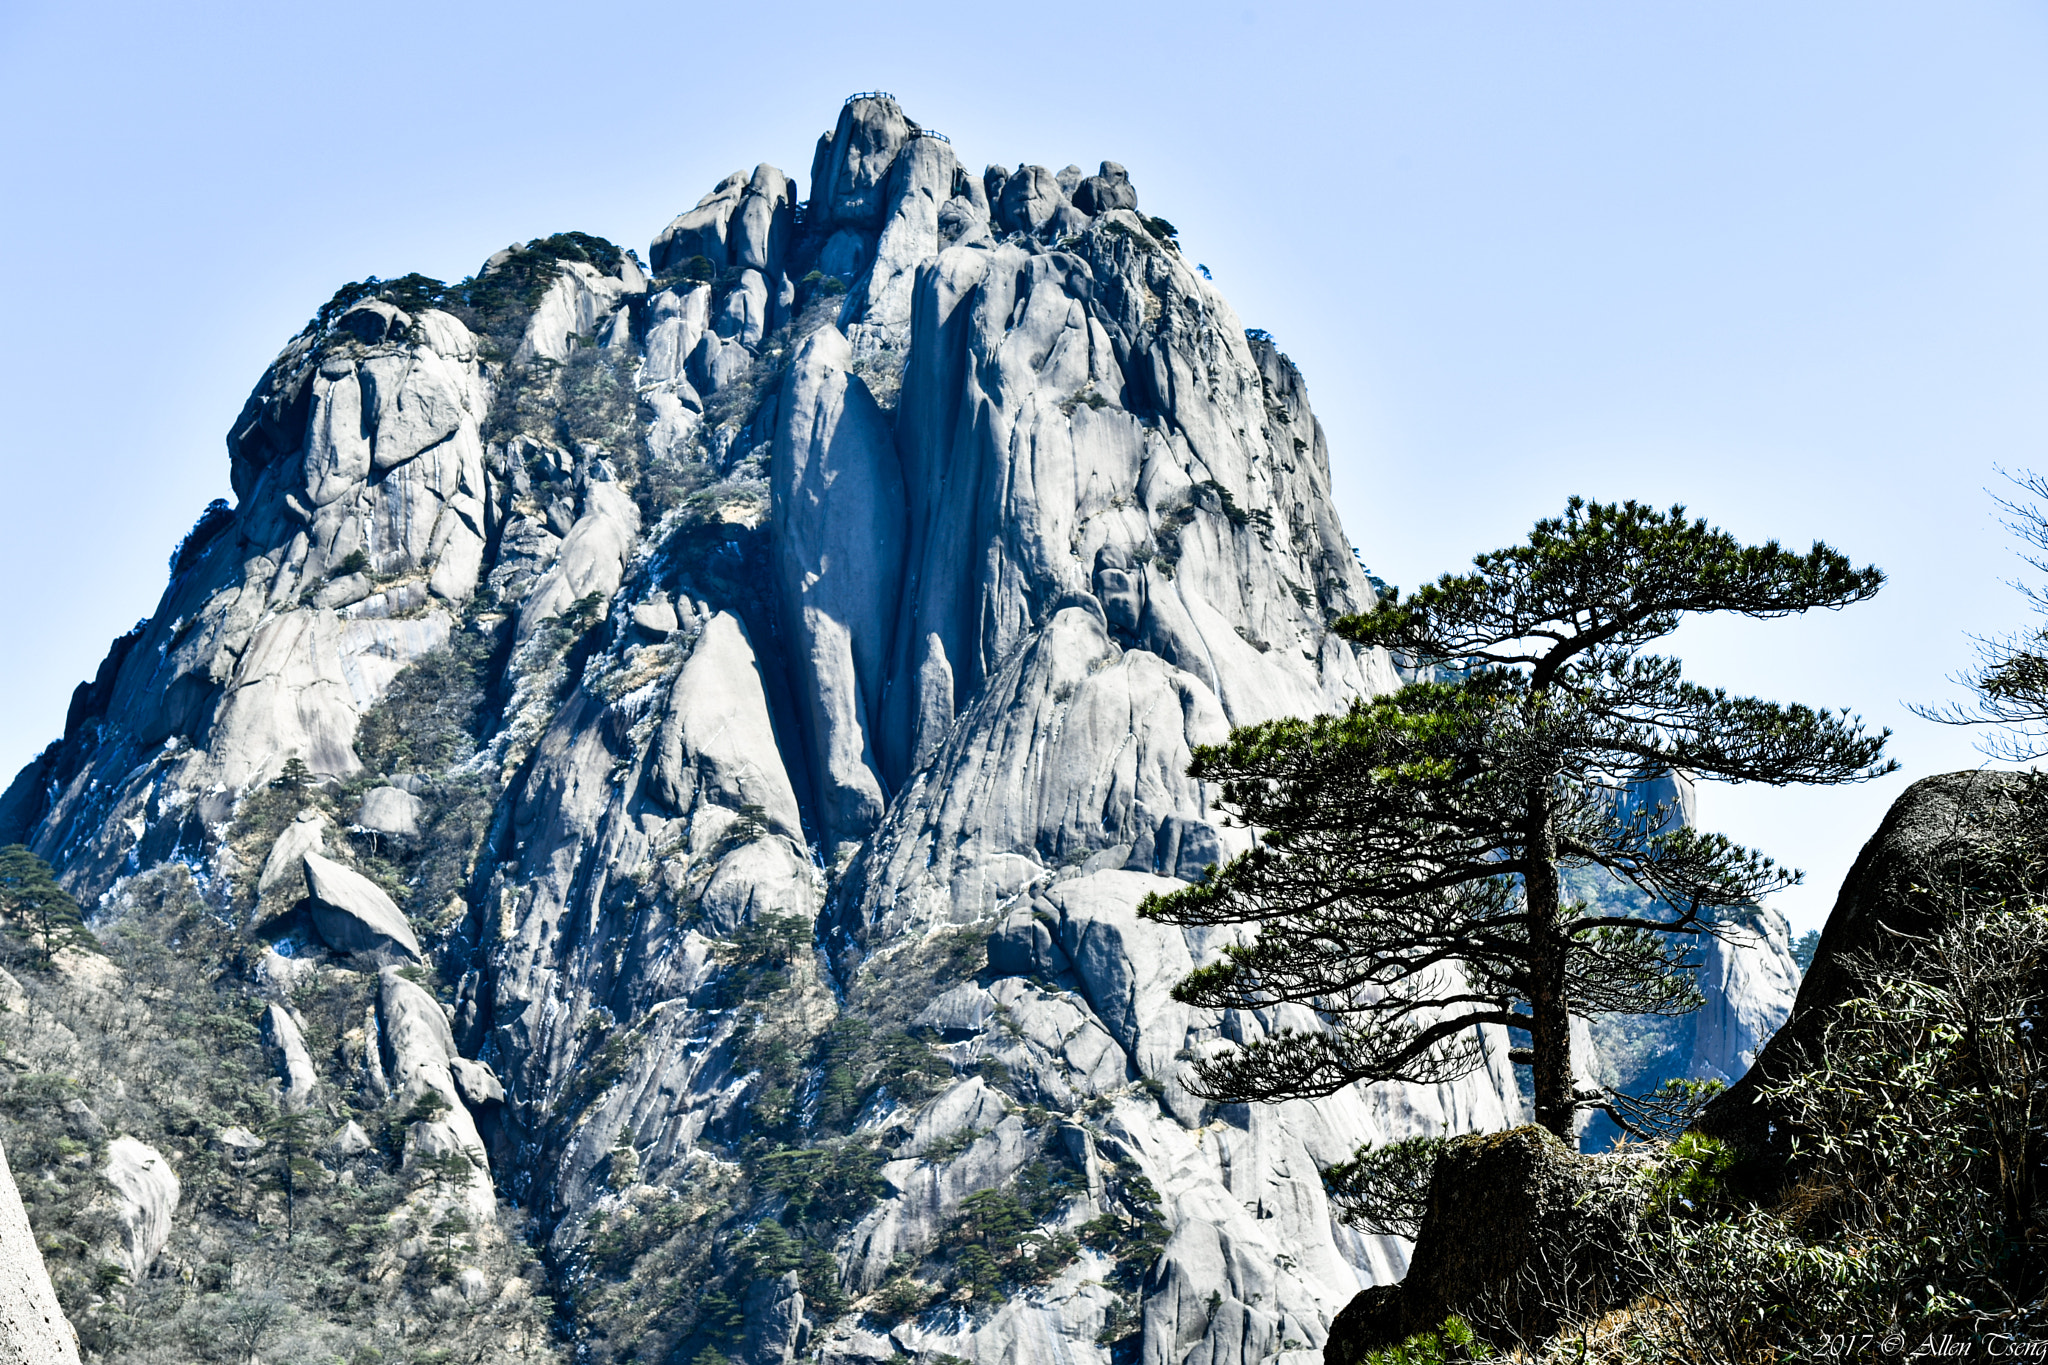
[[934, 134], [869, 95]]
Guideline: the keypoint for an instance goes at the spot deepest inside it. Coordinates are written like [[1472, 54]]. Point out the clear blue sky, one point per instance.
[[1786, 263]]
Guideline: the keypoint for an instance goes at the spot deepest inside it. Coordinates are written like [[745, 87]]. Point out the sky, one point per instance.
[[1785, 264]]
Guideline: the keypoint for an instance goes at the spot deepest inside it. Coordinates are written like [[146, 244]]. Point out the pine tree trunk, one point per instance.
[[1550, 1023]]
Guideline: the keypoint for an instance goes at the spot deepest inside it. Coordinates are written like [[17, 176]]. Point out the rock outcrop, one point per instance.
[[286, 1043], [804, 643], [1956, 829], [33, 1330], [353, 915], [1748, 978], [146, 1192], [1519, 1233]]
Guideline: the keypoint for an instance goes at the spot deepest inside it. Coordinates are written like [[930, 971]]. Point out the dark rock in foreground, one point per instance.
[[1944, 835], [1520, 1232]]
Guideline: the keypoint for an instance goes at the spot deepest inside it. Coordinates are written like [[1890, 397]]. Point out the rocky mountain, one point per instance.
[[663, 757]]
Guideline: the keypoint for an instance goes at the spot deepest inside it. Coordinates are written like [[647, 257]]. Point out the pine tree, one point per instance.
[[292, 1136], [37, 908], [1405, 874]]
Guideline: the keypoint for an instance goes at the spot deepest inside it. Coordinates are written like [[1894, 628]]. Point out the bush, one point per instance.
[[1919, 1190]]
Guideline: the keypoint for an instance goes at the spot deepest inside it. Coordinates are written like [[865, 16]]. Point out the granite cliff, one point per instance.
[[718, 716]]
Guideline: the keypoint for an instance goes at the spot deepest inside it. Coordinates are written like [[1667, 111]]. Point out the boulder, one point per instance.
[[286, 1044], [1956, 828], [353, 915], [237, 1142], [302, 836], [592, 558], [1024, 945], [1030, 201], [964, 1010], [850, 174], [349, 1140], [145, 1196], [1106, 190], [391, 811], [478, 1084], [701, 231], [717, 744], [775, 1321], [1519, 1231], [656, 619]]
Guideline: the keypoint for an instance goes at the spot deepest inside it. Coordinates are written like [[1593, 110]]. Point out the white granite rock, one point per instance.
[[390, 810], [146, 1194], [353, 915], [285, 1041], [33, 1329]]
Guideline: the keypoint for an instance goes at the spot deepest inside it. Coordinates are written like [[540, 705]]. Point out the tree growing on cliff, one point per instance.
[[35, 907], [1405, 878]]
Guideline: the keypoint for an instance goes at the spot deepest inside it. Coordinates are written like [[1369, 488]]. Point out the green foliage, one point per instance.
[[584, 401], [997, 1244], [757, 958], [1453, 1342], [1131, 1230], [434, 712], [2010, 680], [857, 1063], [1693, 1175], [216, 518], [1385, 1189], [831, 1183], [39, 917], [1803, 949]]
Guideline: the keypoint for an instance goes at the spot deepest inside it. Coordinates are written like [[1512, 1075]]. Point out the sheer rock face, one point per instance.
[[944, 522], [1749, 979], [33, 1329]]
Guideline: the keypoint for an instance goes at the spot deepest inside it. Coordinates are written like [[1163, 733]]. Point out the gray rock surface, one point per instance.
[[285, 1041], [390, 810], [353, 915], [33, 1329], [923, 541], [1517, 1225], [1948, 827], [839, 532], [1749, 979], [306, 834], [145, 1190]]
